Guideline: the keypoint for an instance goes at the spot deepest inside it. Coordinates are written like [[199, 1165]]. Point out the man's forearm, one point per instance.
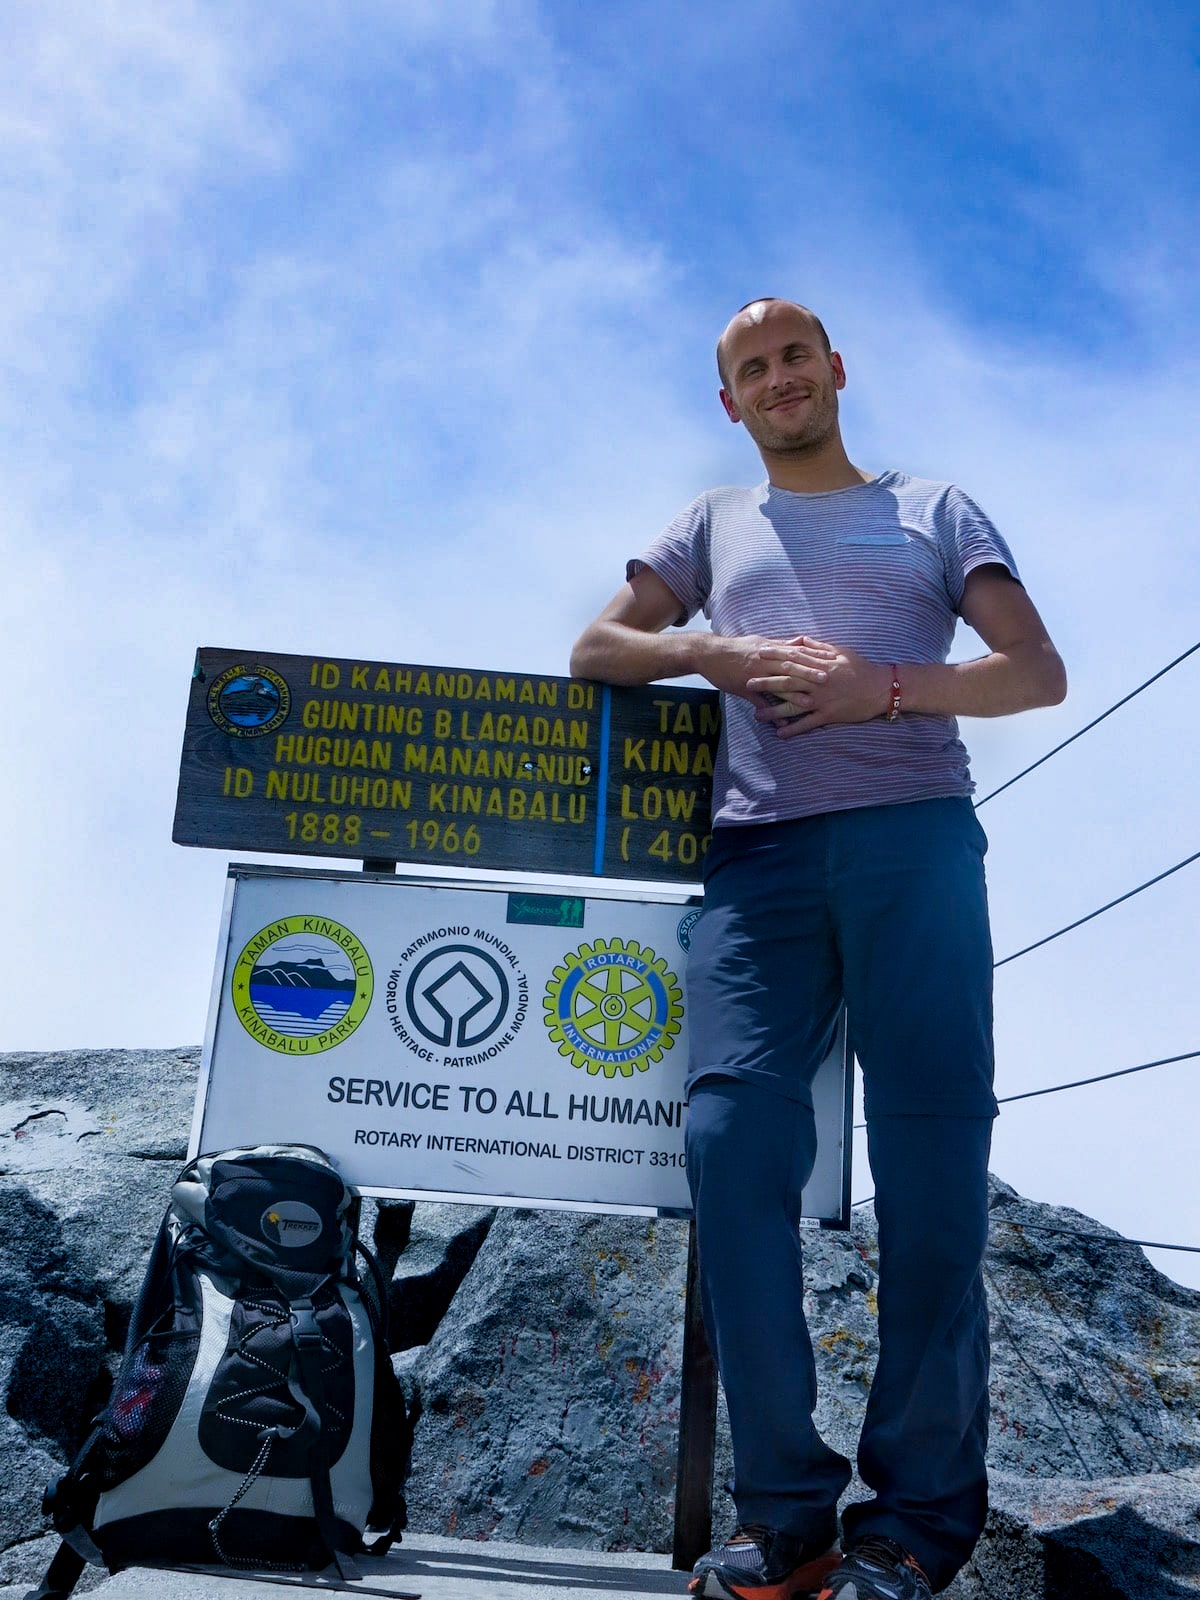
[[611, 652], [995, 685]]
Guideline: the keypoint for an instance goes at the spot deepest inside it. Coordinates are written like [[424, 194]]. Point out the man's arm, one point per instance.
[[1023, 669], [627, 645], [817, 683]]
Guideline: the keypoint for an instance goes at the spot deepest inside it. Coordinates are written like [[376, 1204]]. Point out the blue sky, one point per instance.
[[386, 330]]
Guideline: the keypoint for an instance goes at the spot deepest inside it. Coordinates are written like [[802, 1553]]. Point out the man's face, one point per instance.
[[782, 382]]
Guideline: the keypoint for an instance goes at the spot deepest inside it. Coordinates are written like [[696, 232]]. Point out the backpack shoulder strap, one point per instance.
[[390, 1509], [377, 1307], [156, 1287]]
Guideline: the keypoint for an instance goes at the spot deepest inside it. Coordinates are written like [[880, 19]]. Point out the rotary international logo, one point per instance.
[[302, 985], [613, 1006]]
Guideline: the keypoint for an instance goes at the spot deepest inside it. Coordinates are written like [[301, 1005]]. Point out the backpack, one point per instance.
[[255, 1421]]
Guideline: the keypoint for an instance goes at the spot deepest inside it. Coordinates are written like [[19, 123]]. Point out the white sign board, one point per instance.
[[483, 1041]]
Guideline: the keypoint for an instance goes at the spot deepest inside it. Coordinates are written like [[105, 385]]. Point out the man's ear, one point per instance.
[[731, 410], [839, 371]]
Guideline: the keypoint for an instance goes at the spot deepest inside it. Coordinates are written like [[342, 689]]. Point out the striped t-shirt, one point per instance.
[[879, 567]]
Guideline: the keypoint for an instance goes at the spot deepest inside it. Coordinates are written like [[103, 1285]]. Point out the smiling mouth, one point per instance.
[[787, 402]]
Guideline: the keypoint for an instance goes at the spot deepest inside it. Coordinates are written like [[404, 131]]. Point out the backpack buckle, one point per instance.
[[304, 1322]]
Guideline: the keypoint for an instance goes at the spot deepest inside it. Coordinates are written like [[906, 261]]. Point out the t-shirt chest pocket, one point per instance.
[[887, 558]]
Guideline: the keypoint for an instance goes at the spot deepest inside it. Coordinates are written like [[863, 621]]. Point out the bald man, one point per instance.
[[846, 864]]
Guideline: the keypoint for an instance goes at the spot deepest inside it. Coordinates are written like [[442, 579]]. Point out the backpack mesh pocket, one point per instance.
[[143, 1405]]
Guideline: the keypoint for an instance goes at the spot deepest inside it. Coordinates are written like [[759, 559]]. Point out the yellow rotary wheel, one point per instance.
[[613, 1007]]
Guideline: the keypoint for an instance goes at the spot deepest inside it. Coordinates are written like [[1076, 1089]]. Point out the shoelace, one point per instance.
[[888, 1554], [749, 1533]]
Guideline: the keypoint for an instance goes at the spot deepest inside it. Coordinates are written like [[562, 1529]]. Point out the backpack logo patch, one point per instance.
[[290, 1224]]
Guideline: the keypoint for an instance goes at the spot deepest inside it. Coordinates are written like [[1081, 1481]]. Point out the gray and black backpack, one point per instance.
[[255, 1422]]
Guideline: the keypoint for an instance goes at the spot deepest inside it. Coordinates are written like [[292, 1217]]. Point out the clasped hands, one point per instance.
[[803, 683]]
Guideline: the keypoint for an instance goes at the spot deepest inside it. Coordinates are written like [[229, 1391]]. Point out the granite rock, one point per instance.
[[541, 1351], [1095, 1354], [550, 1396], [528, 1402], [1132, 1538]]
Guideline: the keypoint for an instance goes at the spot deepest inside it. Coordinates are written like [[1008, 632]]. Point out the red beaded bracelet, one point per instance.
[[893, 710]]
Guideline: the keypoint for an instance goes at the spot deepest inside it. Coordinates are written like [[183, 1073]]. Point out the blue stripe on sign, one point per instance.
[[602, 780]]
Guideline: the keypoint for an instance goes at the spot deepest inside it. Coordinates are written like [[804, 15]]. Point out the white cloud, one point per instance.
[[108, 114]]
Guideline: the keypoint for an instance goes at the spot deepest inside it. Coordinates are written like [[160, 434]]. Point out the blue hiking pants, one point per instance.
[[885, 907]]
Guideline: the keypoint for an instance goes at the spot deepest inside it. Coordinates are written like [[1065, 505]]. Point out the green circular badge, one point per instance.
[[302, 985]]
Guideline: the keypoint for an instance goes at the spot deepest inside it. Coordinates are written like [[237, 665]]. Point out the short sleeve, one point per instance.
[[680, 557], [969, 539]]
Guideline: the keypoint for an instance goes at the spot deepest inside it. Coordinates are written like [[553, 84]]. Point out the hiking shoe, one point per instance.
[[756, 1563], [876, 1568]]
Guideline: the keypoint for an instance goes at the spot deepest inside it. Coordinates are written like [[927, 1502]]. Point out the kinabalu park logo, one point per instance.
[[613, 1006], [248, 701], [302, 985]]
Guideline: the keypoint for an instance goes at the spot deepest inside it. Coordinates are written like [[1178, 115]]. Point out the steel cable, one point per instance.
[[1078, 923], [1122, 702]]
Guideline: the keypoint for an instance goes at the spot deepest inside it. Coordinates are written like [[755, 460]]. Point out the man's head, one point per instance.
[[780, 377], [753, 312]]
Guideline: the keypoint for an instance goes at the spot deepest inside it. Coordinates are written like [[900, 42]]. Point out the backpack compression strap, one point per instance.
[[306, 1336]]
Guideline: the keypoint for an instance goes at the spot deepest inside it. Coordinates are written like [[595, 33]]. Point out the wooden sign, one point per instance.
[[301, 755]]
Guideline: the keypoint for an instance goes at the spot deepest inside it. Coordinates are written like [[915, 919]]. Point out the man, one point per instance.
[[846, 862]]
